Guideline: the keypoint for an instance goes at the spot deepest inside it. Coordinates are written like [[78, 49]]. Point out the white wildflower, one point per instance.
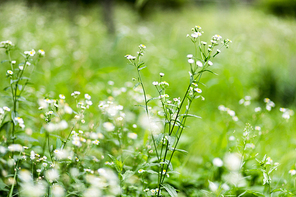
[[217, 162]]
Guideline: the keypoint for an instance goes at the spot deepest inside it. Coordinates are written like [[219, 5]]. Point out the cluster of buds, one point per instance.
[[196, 33], [6, 44], [20, 122], [30, 53], [140, 53]]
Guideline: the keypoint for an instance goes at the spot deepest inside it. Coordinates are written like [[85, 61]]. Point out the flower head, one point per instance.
[[30, 53], [9, 73], [41, 52], [130, 57], [87, 96], [292, 172], [142, 46]]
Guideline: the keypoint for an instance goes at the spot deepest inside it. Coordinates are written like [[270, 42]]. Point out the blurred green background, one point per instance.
[[86, 41]]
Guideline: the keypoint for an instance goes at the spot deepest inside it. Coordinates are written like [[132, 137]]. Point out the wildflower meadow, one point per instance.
[[162, 107]]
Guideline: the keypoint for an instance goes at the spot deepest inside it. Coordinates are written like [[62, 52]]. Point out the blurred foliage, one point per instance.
[[279, 7], [82, 55]]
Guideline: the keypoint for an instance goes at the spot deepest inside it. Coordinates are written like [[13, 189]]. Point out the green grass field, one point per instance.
[[82, 56]]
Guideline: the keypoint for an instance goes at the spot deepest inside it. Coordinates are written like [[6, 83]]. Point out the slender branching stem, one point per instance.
[[65, 142]]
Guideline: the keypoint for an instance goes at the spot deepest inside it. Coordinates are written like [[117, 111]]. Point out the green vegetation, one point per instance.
[[243, 145]]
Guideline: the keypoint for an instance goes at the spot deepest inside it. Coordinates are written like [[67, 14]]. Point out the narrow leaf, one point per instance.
[[154, 98], [27, 138], [4, 61], [20, 87], [137, 84], [141, 68], [58, 143], [190, 115], [170, 190], [208, 71], [7, 88], [180, 150], [127, 174], [27, 78], [151, 171]]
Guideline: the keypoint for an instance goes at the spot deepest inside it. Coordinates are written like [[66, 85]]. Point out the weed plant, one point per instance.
[[126, 150]]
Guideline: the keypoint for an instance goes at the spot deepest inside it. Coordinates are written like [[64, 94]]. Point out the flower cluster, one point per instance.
[[6, 44], [287, 113], [269, 104], [222, 108]]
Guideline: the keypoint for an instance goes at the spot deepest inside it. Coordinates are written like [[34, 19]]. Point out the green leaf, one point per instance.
[[7, 88], [27, 78], [152, 164], [159, 138], [58, 143], [170, 190], [178, 123], [166, 163], [168, 104], [146, 137], [13, 115], [255, 193], [20, 87], [208, 71], [190, 115], [42, 130], [118, 164], [171, 140], [151, 172], [180, 150], [137, 84], [56, 136], [141, 64], [265, 178], [13, 81], [272, 169], [5, 126], [21, 99], [141, 68], [242, 193], [127, 174], [154, 98], [2, 186], [173, 172], [4, 61], [141, 106], [27, 138], [264, 158]]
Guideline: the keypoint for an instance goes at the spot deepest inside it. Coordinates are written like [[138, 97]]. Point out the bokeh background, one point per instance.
[[86, 40]]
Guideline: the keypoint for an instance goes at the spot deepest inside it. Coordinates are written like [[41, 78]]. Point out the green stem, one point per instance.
[[178, 138], [65, 142], [13, 97], [147, 112], [14, 180], [48, 144], [170, 132]]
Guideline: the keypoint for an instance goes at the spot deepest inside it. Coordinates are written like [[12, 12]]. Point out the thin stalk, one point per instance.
[[14, 180], [170, 132], [166, 118], [183, 118], [13, 97], [147, 112], [20, 74], [178, 138], [65, 142], [48, 144]]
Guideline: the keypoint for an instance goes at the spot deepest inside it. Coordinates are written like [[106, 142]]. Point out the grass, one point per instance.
[[81, 55]]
